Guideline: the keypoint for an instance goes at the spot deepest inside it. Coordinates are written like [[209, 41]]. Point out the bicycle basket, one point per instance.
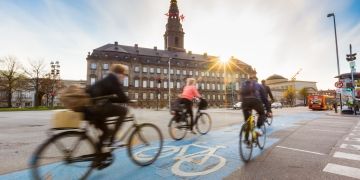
[[66, 119], [203, 104]]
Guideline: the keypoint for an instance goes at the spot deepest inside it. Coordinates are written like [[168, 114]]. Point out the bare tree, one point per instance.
[[36, 71], [10, 76]]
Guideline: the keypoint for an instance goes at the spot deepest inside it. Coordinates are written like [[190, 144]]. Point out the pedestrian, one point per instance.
[[335, 106]]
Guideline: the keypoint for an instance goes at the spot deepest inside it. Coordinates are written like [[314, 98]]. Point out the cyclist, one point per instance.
[[267, 91], [189, 92], [97, 114], [253, 97]]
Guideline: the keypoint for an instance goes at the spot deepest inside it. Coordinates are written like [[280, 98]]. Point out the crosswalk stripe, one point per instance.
[[342, 170], [352, 139], [350, 146], [347, 156]]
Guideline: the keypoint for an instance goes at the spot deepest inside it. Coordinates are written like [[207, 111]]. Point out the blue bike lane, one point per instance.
[[212, 156]]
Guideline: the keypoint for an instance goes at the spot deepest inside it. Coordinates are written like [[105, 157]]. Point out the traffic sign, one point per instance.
[[339, 84]]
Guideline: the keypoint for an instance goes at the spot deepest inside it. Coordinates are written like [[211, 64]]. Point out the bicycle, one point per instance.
[[249, 138], [72, 154], [179, 123]]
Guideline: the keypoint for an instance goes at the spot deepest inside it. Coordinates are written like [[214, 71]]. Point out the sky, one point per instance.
[[273, 36]]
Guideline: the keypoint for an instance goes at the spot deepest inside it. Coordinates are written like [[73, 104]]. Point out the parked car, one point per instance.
[[276, 105], [237, 105]]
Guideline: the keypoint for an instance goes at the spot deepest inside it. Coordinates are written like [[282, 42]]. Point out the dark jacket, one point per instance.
[[108, 86], [256, 91], [268, 92]]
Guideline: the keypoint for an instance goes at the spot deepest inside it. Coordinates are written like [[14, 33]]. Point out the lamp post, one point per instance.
[[55, 73], [337, 52], [169, 83], [158, 93]]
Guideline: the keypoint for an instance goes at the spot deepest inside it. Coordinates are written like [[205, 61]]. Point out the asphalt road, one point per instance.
[[301, 144]]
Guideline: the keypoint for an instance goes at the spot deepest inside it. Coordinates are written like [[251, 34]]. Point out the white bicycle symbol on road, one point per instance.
[[192, 164]]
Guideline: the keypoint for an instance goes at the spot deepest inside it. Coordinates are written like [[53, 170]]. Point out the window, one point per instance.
[[93, 66], [171, 71], [190, 73], [144, 84], [136, 83], [144, 95], [213, 96], [202, 86], [224, 97], [218, 87], [171, 84], [213, 74], [92, 80], [197, 86], [151, 70], [196, 73], [237, 75], [213, 86], [165, 84], [218, 97], [137, 69], [208, 96], [224, 87], [248, 76], [207, 86], [243, 76], [165, 71], [177, 72], [178, 85], [218, 74], [184, 72], [158, 70], [151, 84], [145, 69], [207, 73], [136, 95], [202, 74], [165, 96], [237, 86], [105, 66], [126, 81], [151, 95]]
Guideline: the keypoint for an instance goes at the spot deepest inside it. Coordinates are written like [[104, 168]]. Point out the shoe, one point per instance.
[[247, 142], [258, 132], [192, 131], [105, 160]]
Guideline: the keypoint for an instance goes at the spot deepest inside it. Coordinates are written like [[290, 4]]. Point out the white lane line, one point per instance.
[[352, 139], [350, 146], [354, 134], [342, 170], [347, 156], [329, 130], [300, 150]]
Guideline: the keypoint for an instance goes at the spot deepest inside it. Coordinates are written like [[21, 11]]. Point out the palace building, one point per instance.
[[152, 71]]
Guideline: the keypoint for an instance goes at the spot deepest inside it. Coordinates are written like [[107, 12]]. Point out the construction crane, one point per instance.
[[293, 78]]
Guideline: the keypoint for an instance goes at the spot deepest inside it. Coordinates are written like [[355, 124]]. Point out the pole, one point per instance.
[[169, 85], [337, 53]]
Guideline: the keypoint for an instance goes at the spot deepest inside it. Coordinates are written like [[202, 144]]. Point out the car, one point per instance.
[[276, 105], [237, 105]]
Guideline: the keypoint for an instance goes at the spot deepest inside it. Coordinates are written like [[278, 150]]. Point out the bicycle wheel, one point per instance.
[[245, 143], [178, 130], [67, 155], [269, 120], [146, 136], [261, 139], [203, 124]]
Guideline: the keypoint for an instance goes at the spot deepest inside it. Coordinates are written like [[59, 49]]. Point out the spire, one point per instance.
[[174, 34]]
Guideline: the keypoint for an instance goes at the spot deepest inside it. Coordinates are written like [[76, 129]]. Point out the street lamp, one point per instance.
[[169, 96], [55, 73], [337, 52]]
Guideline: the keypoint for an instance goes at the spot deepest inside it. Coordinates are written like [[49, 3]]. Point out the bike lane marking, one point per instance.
[[220, 150]]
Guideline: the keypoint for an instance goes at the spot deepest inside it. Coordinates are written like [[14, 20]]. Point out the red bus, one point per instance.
[[320, 102]]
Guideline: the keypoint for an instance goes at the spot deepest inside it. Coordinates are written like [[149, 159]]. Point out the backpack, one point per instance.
[[75, 98], [248, 89]]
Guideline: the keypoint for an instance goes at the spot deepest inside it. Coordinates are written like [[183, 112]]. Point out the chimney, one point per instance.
[[155, 48], [116, 43], [136, 46], [189, 52], [205, 55]]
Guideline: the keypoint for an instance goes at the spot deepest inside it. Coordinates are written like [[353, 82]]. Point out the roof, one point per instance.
[[152, 52], [348, 75], [275, 76]]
